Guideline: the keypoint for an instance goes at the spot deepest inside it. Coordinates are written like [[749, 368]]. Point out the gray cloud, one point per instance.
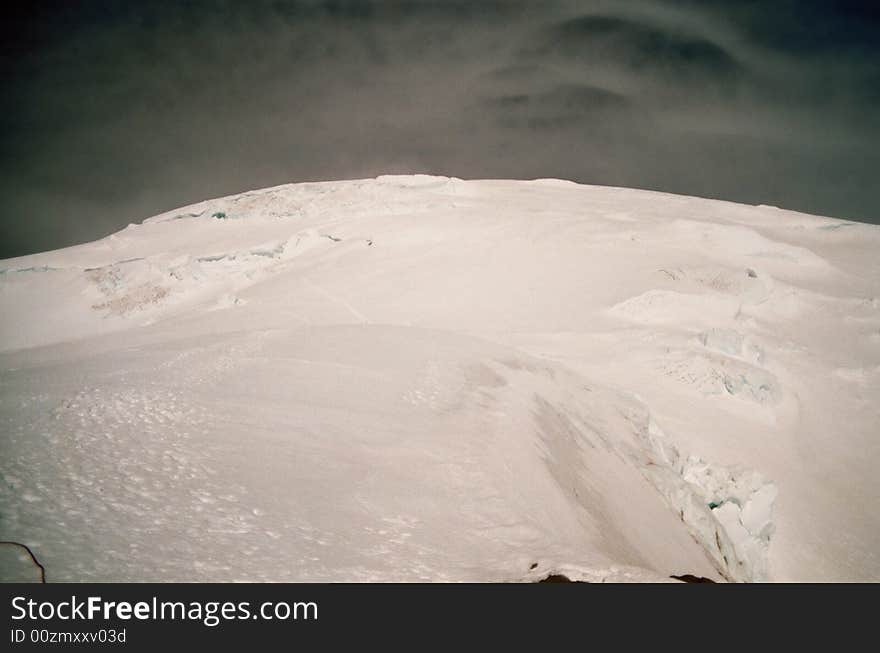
[[117, 111]]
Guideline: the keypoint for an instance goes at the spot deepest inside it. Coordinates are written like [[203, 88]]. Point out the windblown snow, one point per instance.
[[423, 378]]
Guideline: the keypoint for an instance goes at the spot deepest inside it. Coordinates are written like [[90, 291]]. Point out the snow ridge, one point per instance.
[[426, 378]]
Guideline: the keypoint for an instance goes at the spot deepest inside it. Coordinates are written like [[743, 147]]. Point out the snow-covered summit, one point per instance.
[[417, 377]]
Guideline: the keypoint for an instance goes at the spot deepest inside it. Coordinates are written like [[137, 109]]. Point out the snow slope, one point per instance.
[[424, 378]]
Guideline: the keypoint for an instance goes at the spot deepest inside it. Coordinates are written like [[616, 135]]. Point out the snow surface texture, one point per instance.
[[424, 378]]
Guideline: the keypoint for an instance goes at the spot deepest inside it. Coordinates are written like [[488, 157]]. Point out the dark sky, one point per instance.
[[114, 111]]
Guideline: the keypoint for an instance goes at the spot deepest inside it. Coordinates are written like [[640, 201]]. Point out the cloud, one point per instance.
[[117, 111], [639, 46]]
